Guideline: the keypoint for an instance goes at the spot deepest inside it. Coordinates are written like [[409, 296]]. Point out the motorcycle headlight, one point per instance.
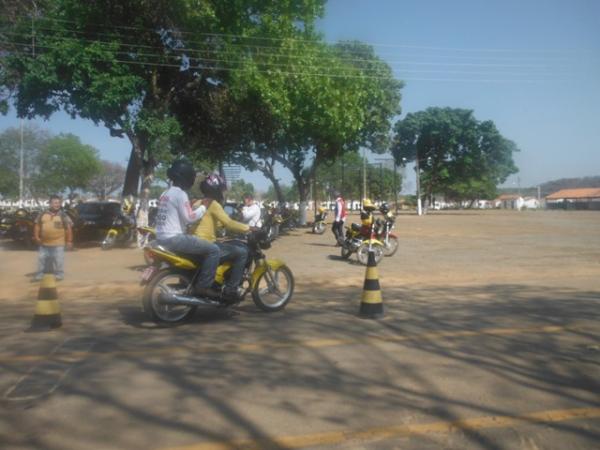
[[118, 222]]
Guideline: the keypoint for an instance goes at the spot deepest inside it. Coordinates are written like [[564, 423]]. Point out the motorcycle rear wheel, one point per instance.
[[363, 253], [392, 247], [319, 228], [274, 289], [163, 281]]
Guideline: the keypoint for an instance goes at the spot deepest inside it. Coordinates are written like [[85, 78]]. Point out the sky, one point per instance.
[[530, 66]]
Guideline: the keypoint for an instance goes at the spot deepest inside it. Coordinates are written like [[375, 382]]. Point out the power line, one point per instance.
[[265, 38], [240, 59], [279, 51], [367, 71], [313, 74]]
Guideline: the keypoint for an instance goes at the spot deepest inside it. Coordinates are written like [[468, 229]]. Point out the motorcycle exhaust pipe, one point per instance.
[[187, 300]]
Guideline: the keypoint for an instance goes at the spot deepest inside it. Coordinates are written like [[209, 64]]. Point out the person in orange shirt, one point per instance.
[[52, 231]]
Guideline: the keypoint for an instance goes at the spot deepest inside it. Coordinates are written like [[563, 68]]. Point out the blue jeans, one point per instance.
[[193, 245], [237, 254], [51, 260]]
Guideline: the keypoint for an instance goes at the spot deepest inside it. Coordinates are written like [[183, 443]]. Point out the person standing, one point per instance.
[[52, 231], [340, 217], [251, 212]]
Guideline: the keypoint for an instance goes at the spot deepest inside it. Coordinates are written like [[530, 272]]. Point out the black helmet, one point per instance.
[[384, 208], [182, 174], [213, 186]]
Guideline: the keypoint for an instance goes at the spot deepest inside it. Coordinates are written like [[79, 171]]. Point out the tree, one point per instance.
[[108, 180], [319, 102], [65, 163], [238, 189], [458, 156], [34, 140], [131, 65]]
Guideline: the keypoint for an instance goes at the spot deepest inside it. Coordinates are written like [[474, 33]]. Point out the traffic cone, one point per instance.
[[47, 309], [371, 306]]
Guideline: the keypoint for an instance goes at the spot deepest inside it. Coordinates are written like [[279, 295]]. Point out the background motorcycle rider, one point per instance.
[[251, 212], [52, 231], [174, 213], [340, 217], [212, 187]]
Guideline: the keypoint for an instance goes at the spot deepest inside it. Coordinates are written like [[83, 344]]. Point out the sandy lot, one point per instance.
[[491, 340]]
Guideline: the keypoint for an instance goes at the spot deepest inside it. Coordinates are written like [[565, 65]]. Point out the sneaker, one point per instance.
[[59, 277], [231, 296]]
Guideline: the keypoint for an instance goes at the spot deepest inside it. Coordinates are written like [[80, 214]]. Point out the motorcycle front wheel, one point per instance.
[[391, 247], [163, 282], [363, 253], [319, 228], [108, 243], [273, 289], [346, 252]]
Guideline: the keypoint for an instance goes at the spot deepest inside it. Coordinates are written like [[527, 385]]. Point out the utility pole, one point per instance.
[[395, 187], [21, 168], [364, 190], [418, 179]]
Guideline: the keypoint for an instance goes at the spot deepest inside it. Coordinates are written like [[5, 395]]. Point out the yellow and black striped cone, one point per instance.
[[371, 306], [47, 309]]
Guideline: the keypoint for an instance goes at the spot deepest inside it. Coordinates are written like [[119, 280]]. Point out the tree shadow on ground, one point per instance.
[[318, 363]]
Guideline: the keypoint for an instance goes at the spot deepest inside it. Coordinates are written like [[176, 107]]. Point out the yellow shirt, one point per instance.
[[207, 228], [53, 229]]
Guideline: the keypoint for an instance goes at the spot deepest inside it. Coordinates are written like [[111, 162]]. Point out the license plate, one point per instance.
[[148, 273]]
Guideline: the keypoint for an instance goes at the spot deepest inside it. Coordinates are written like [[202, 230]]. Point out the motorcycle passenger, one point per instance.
[[174, 214], [340, 217], [251, 212], [213, 187]]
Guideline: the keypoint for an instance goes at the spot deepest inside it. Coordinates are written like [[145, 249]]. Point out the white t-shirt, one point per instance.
[[251, 215], [174, 213]]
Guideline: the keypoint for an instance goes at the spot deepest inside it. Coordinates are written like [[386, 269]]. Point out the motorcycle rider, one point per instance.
[[366, 217], [251, 211], [340, 217], [213, 187], [174, 214]]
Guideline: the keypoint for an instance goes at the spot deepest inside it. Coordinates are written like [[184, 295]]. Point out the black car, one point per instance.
[[94, 219]]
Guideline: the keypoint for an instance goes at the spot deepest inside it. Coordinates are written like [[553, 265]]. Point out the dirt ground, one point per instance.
[[490, 340]]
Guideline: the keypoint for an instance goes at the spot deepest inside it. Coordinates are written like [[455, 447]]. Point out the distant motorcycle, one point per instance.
[[383, 231], [361, 239], [21, 229], [121, 232], [319, 225], [271, 223]]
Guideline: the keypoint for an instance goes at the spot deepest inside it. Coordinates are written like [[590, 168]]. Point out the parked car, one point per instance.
[[94, 219]]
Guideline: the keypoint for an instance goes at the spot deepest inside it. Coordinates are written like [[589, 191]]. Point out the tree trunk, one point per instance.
[[303, 185], [132, 176]]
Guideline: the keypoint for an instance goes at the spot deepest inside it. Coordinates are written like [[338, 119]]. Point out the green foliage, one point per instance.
[[237, 190], [290, 194], [108, 180], [346, 175], [34, 140], [458, 156], [65, 163]]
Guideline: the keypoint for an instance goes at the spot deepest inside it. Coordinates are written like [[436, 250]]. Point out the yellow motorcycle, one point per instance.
[[121, 232], [361, 239], [168, 295]]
